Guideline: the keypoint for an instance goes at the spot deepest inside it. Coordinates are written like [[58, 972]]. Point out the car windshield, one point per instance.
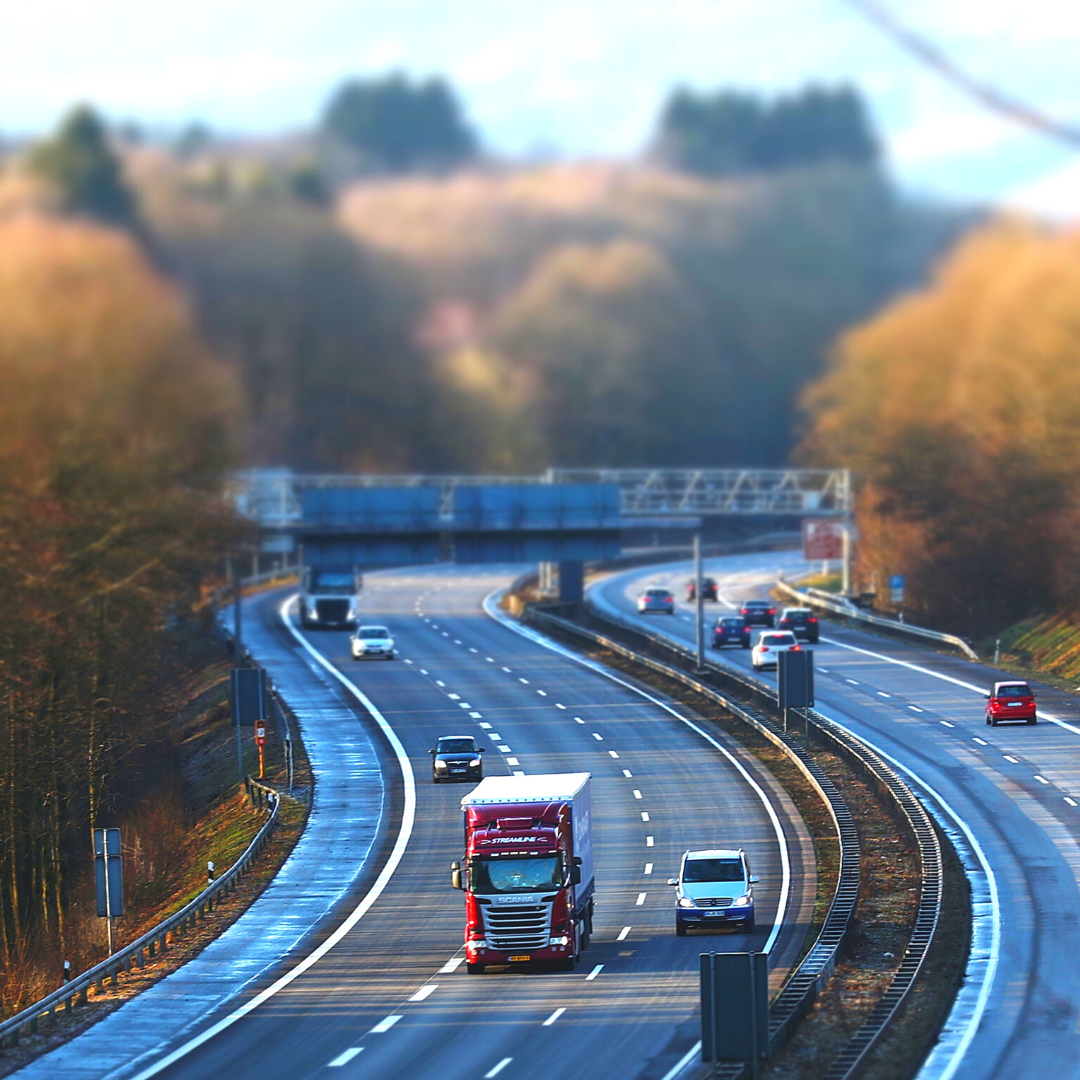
[[797, 613], [656, 592], [373, 632], [457, 746], [734, 622], [727, 869], [325, 579], [755, 603], [1014, 690], [516, 875], [777, 639]]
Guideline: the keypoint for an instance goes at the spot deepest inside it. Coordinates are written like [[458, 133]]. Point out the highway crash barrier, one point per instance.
[[838, 606], [154, 941], [803, 986]]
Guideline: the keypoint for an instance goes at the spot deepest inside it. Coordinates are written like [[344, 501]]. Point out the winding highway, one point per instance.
[[1014, 791], [384, 992]]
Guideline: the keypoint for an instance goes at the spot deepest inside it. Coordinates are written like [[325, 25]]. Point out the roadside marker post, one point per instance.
[[260, 742]]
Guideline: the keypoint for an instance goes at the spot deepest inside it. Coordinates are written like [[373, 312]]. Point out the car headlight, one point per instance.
[[313, 613], [440, 764], [742, 901], [685, 901], [475, 763]]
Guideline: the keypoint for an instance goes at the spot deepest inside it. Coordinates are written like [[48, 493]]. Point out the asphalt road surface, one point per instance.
[[1015, 788], [391, 997]]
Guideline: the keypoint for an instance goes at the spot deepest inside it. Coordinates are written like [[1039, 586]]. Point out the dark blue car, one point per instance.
[[731, 630]]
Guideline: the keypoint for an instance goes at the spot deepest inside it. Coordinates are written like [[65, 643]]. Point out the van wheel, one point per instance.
[[474, 969]]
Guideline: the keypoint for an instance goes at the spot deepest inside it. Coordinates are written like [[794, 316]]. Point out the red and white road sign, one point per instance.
[[822, 539], [260, 732]]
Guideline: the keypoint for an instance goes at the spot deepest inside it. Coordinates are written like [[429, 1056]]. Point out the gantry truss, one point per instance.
[[273, 496]]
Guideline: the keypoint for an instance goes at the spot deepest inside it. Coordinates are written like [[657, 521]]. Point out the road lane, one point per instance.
[[1016, 787]]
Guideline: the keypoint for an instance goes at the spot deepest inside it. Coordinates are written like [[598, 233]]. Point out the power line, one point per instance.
[[928, 53]]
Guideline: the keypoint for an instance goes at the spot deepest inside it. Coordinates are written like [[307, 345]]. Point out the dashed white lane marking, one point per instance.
[[597, 736], [823, 670], [423, 671], [1041, 779], [495, 736], [627, 773], [490, 659], [613, 754], [596, 970], [521, 680], [385, 1024], [471, 649], [518, 772], [454, 697], [464, 705], [346, 1057], [641, 899], [498, 1068], [644, 815], [445, 634], [1071, 802], [637, 794], [914, 708], [457, 641], [451, 965], [853, 682], [425, 992], [648, 868], [485, 725], [648, 841], [512, 761], [408, 661], [945, 723], [542, 693], [504, 749], [439, 682], [577, 719], [507, 670], [623, 933], [559, 706], [553, 1017], [1015, 761], [881, 693], [981, 742], [476, 715]]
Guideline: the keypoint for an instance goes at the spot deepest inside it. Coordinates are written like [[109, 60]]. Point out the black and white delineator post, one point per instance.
[[795, 683], [108, 877]]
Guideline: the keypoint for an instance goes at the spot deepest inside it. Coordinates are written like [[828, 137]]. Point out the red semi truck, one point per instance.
[[528, 874]]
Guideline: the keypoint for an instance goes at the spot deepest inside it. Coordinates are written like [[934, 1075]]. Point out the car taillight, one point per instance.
[[772, 611], [764, 648], [812, 618], [795, 648]]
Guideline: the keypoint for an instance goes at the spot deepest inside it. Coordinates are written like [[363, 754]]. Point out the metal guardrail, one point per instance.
[[816, 598], [153, 941], [805, 983]]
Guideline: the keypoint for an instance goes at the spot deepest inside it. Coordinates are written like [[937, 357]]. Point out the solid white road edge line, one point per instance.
[[408, 816]]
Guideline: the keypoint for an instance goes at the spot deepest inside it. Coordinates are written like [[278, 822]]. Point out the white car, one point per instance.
[[770, 644], [372, 643], [656, 598]]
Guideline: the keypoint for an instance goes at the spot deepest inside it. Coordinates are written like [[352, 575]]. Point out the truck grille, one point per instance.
[[714, 901], [332, 610], [512, 928]]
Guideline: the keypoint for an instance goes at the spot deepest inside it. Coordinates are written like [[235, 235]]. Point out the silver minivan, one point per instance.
[[714, 888]]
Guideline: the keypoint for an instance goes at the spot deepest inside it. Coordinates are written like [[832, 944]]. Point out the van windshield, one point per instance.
[[516, 875], [695, 870]]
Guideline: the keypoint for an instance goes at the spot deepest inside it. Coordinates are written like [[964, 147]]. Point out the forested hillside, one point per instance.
[[959, 406]]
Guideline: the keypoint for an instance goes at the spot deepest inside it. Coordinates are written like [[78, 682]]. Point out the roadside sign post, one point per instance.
[[260, 742], [735, 1007], [108, 877], [248, 699], [795, 684], [896, 593], [699, 604]]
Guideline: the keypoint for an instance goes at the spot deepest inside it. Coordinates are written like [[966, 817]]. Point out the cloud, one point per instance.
[[1055, 196]]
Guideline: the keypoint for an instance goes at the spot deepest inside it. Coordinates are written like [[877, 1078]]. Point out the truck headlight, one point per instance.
[[742, 901], [559, 939], [475, 763], [440, 764], [685, 901]]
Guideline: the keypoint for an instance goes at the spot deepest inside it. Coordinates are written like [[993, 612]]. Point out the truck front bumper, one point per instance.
[[546, 955]]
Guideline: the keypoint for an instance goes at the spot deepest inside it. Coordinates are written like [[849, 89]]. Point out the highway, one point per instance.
[[390, 996], [1016, 789]]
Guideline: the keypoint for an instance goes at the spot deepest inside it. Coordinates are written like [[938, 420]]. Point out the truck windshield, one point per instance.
[[516, 875], [328, 580], [695, 870]]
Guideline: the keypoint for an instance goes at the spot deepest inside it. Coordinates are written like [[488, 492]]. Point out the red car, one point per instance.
[[1010, 701]]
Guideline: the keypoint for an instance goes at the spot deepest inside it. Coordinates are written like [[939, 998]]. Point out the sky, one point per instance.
[[578, 78]]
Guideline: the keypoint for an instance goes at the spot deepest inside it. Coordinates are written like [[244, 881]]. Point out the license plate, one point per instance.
[[715, 914], [513, 958], [1014, 704]]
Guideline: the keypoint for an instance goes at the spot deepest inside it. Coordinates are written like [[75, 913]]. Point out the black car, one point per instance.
[[456, 757], [801, 621], [708, 589], [731, 630], [758, 613]]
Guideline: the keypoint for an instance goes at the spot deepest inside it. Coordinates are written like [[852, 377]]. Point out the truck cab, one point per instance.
[[330, 597], [528, 871]]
